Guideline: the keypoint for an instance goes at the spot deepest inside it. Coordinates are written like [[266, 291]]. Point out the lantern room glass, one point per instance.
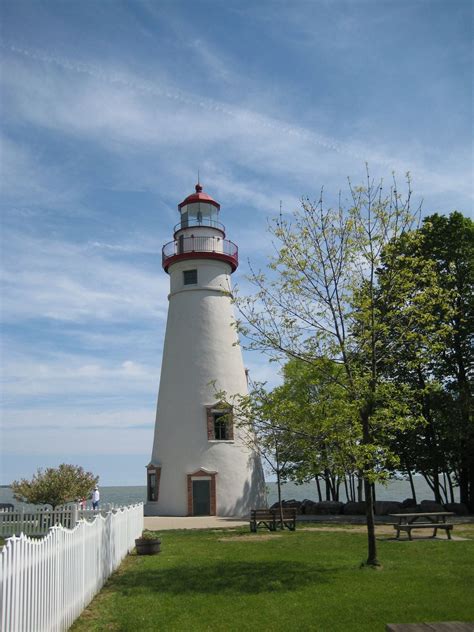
[[199, 214]]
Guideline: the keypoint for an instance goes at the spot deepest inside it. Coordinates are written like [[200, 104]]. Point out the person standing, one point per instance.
[[95, 498]]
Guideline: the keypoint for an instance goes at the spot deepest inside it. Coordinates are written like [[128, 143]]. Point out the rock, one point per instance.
[[292, 504], [459, 509], [289, 504], [323, 508], [430, 506], [409, 502], [385, 507], [328, 507], [354, 509], [308, 506]]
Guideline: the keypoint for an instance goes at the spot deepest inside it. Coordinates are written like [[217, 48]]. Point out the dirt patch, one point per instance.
[[454, 538], [386, 529], [379, 529], [250, 538]]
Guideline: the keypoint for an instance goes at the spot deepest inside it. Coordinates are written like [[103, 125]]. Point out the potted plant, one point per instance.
[[148, 544]]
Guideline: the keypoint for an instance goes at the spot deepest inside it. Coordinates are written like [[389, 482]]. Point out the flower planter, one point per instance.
[[146, 546]]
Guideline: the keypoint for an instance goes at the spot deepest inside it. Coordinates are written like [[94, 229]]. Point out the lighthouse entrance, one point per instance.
[[202, 498], [202, 493]]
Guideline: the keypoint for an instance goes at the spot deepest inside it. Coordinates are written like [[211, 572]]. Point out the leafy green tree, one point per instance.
[[449, 243], [55, 486], [264, 417], [320, 300], [322, 412], [444, 442]]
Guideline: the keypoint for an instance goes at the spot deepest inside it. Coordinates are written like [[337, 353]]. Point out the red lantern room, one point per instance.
[[199, 234]]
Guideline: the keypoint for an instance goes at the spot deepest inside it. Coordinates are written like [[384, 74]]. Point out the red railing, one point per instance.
[[194, 247]]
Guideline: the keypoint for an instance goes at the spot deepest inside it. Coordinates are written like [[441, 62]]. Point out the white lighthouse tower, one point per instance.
[[200, 464]]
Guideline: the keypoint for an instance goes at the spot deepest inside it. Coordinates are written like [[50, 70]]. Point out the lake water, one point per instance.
[[395, 490]]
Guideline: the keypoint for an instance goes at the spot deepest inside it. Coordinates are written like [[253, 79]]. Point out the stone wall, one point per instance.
[[382, 507]]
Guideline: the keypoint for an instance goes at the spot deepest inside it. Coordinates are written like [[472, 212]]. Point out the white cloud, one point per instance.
[[65, 432], [59, 280], [71, 375], [68, 404], [30, 183], [114, 106]]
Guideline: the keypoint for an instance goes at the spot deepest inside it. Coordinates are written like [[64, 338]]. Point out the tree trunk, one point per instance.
[[353, 490], [278, 473], [320, 498], [444, 488], [337, 484], [429, 481], [360, 488], [280, 506], [412, 485], [327, 480], [464, 485], [369, 498], [346, 489], [450, 486], [436, 486], [369, 510]]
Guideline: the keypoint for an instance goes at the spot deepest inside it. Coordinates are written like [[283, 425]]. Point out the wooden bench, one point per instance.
[[433, 520], [271, 519]]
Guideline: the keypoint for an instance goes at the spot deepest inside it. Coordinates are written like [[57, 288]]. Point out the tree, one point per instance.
[[321, 301], [444, 443], [55, 486], [300, 428], [449, 243], [264, 419], [322, 413]]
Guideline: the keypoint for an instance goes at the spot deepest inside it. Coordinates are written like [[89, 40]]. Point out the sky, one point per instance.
[[109, 108]]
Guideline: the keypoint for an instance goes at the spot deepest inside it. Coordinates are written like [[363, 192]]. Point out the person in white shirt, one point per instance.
[[95, 498]]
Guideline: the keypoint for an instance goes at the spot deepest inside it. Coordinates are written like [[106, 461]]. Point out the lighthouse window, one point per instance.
[[153, 482], [190, 277], [152, 486], [220, 425]]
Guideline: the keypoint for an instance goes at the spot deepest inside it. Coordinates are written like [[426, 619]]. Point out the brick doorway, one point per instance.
[[202, 493]]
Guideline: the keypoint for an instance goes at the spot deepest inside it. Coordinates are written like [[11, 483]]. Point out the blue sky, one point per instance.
[[109, 108]]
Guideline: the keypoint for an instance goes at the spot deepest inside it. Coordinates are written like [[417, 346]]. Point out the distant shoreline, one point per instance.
[[395, 490]]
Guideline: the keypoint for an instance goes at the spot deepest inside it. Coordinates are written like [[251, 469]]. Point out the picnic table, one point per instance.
[[431, 520]]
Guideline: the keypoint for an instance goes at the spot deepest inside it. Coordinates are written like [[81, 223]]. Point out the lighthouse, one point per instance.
[[202, 462]]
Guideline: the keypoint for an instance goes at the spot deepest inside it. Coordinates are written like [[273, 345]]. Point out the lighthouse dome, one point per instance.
[[197, 197]]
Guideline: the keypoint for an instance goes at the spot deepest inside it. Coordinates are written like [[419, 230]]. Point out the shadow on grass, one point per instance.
[[228, 577]]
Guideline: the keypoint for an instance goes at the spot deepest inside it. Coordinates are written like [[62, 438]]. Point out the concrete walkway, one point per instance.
[[163, 523]]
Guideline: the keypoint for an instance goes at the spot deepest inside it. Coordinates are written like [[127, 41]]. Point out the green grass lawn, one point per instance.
[[307, 580]]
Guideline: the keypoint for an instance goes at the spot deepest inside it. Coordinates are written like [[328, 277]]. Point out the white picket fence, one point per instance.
[[46, 583], [38, 521]]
